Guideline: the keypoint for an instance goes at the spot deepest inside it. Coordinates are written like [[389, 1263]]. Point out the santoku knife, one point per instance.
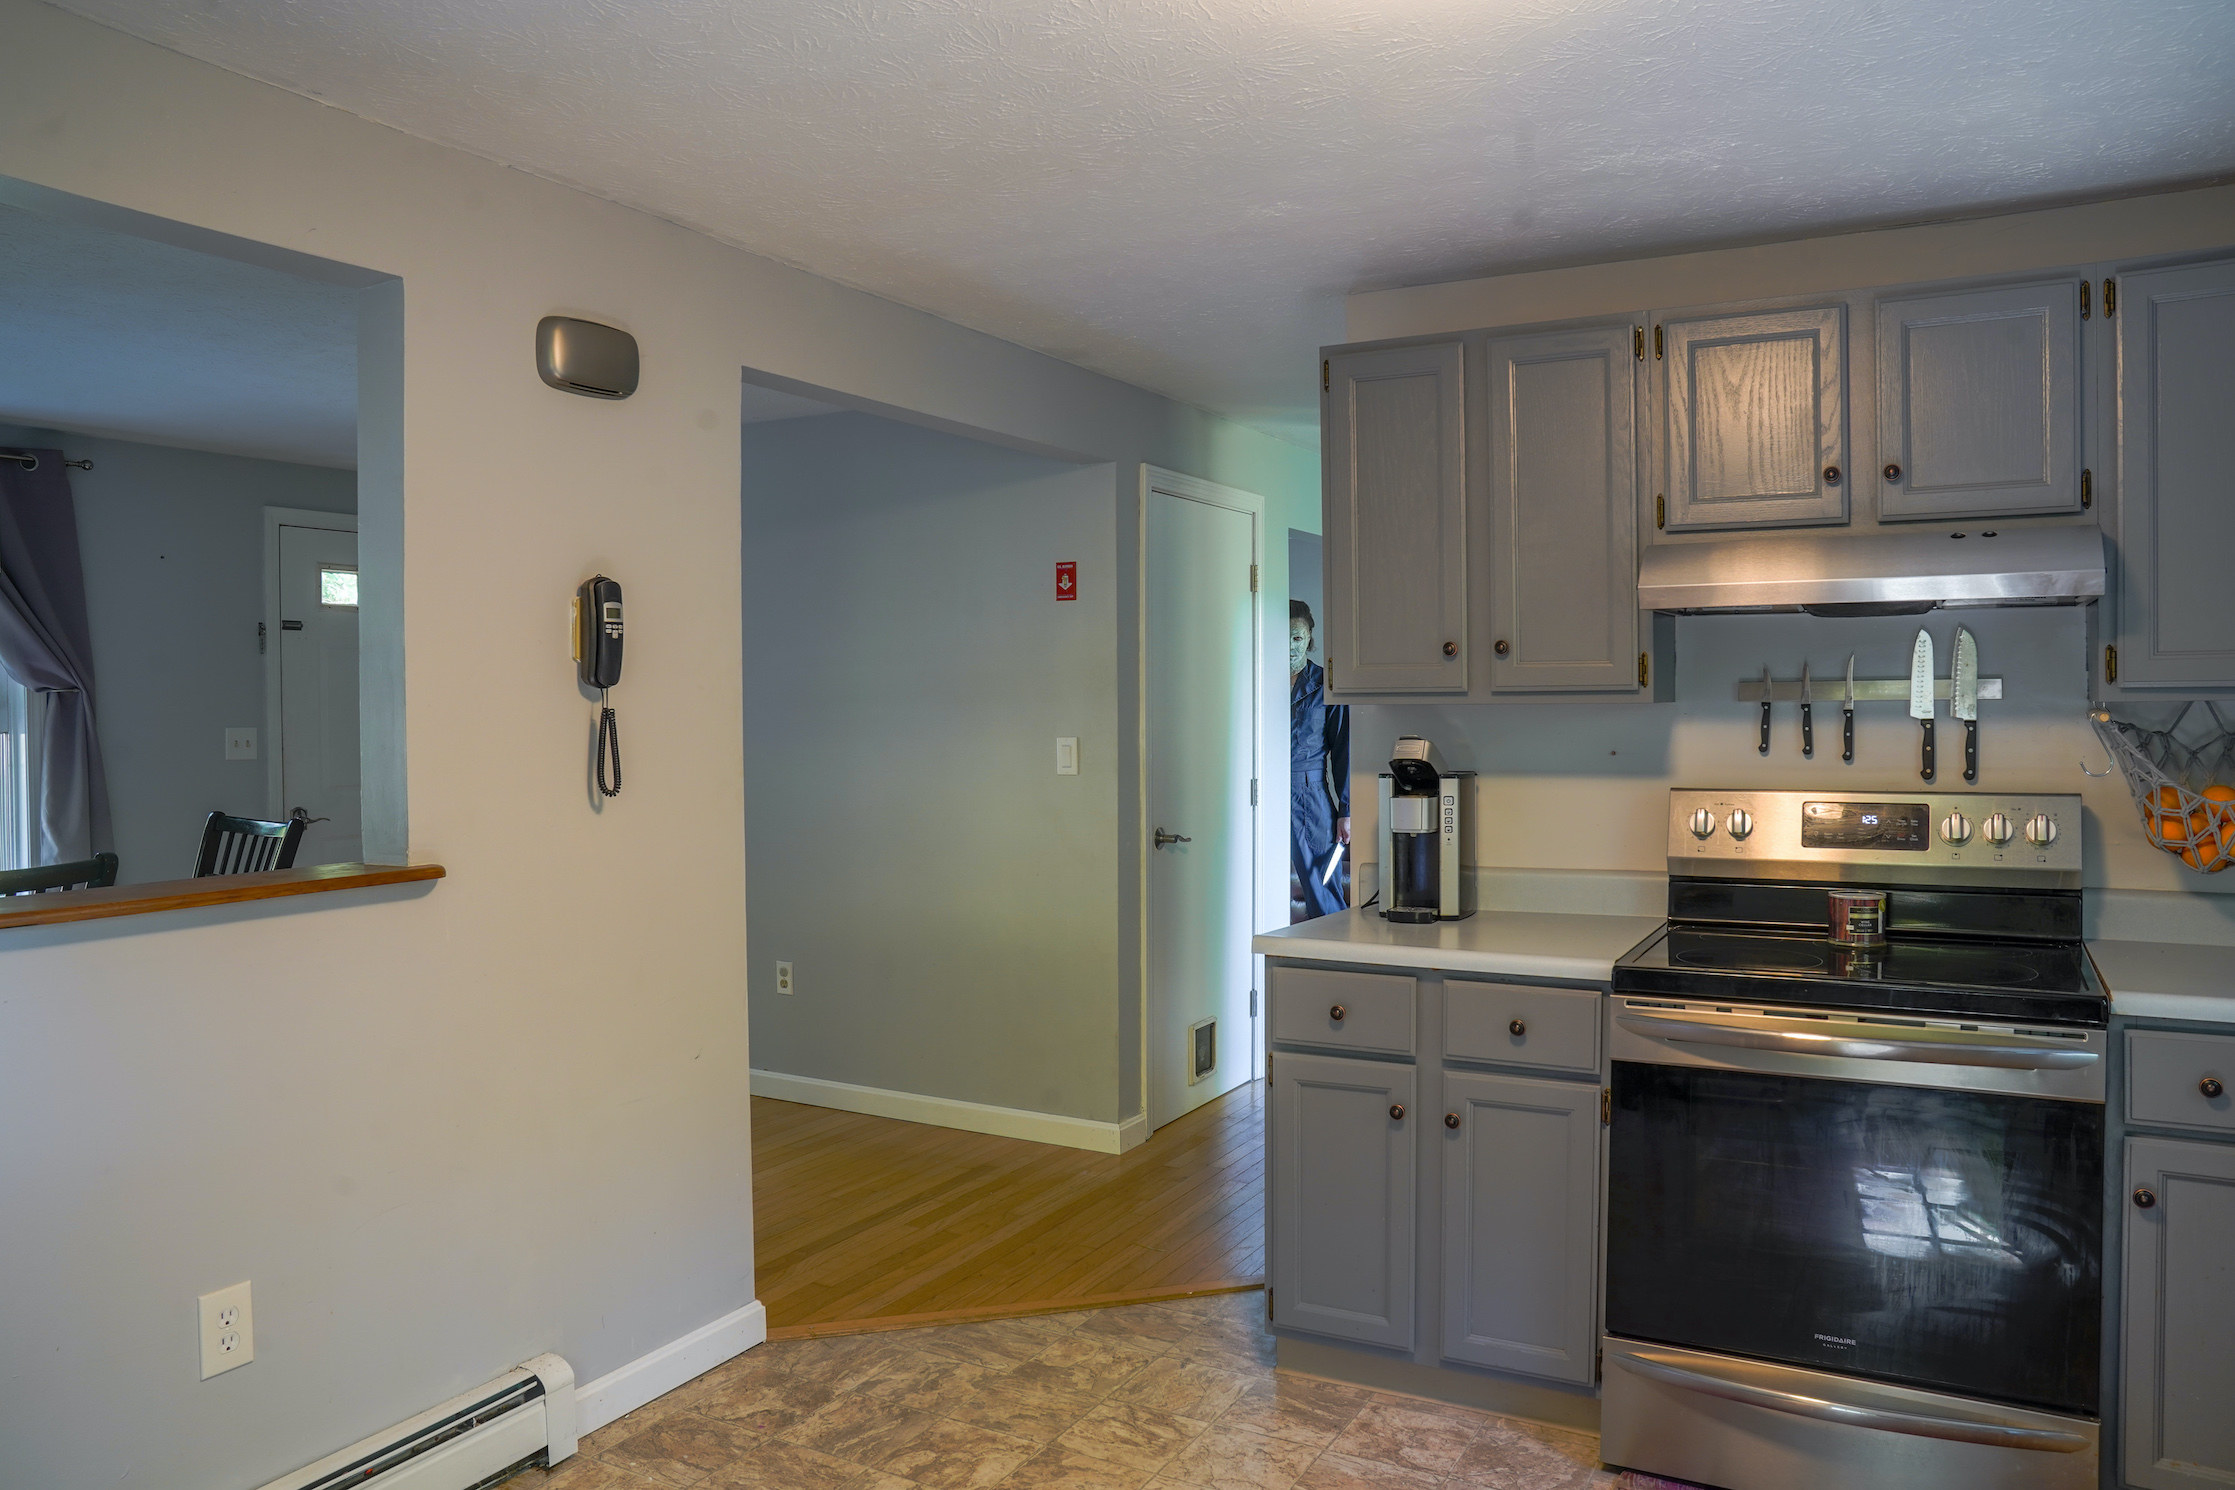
[[1920, 692], [1964, 700], [1847, 716], [1807, 714]]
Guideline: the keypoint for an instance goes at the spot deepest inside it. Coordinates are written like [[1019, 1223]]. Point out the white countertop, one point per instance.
[[2168, 980], [1514, 944]]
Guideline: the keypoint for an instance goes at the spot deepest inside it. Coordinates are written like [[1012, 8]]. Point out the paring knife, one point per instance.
[[1964, 691], [1765, 709], [1807, 715], [1920, 692], [1847, 716]]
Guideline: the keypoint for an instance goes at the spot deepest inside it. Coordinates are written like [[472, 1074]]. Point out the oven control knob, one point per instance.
[[1740, 822], [1702, 823], [2042, 831], [2000, 829], [1955, 828]]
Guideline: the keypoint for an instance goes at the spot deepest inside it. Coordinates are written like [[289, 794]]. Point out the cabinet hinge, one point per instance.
[[1326, 378], [2110, 664], [1253, 1003], [2085, 287], [1656, 343], [2087, 489], [2110, 298], [1253, 579], [1637, 340], [1606, 1107], [1268, 1301], [1644, 668], [1253, 803], [1598, 1362], [1660, 509]]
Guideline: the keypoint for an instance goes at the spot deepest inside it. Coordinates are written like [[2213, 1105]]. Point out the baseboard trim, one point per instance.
[[626, 1388], [948, 1112], [880, 1323]]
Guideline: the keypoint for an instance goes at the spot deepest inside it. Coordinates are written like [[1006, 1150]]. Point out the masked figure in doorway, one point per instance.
[[1318, 780]]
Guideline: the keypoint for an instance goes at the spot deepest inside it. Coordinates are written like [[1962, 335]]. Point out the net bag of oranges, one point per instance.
[[2182, 778]]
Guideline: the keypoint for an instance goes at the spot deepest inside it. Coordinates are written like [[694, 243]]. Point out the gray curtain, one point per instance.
[[46, 645]]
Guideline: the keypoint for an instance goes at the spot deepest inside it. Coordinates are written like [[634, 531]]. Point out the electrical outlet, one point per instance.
[[783, 977], [228, 1330], [240, 743]]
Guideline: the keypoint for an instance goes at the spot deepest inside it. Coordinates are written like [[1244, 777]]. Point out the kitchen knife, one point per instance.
[[1964, 703], [1920, 692], [1807, 715], [1765, 710], [1847, 716]]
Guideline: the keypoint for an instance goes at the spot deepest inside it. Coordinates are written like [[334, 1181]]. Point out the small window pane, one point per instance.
[[337, 587]]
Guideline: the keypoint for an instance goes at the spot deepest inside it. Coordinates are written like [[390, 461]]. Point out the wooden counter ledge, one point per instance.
[[221, 889]]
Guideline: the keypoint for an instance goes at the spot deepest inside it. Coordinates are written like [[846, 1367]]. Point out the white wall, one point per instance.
[[949, 904], [173, 542], [444, 1129]]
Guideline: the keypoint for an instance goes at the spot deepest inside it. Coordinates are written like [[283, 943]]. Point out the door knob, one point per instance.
[[1337, 1013], [1397, 1111], [2145, 1197], [1517, 1029], [2211, 1087], [1163, 838], [1451, 1120]]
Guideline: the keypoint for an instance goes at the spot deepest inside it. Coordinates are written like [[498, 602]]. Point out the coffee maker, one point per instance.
[[1427, 836]]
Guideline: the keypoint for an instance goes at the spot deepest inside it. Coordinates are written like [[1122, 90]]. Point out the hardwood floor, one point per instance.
[[868, 1219]]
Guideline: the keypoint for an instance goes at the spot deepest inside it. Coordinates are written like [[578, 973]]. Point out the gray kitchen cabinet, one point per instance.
[[1395, 519], [1979, 402], [1520, 1224], [1342, 1197], [2175, 518], [1563, 511], [2178, 1400], [1753, 410]]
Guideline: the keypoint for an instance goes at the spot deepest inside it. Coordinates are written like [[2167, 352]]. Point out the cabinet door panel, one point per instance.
[[1521, 1218], [1563, 511], [1395, 521], [1979, 402], [2178, 1400], [2176, 521], [1756, 415], [1343, 1191]]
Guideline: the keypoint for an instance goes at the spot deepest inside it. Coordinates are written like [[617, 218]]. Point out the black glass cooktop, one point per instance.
[[2049, 982]]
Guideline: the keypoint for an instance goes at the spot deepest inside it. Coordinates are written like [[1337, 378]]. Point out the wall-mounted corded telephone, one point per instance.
[[597, 659]]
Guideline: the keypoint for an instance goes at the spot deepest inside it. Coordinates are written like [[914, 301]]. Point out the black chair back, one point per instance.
[[96, 873], [246, 845]]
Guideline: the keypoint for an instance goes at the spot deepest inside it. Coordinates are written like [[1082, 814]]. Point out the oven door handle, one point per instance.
[[1856, 1040], [1916, 1424]]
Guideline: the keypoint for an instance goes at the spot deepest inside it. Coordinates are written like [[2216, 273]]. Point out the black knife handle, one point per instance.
[[1971, 750], [1847, 736], [1765, 727], [1928, 771], [1808, 729]]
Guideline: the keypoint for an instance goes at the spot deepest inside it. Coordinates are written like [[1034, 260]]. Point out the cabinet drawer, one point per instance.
[[2167, 1076], [1559, 1026], [1343, 1011]]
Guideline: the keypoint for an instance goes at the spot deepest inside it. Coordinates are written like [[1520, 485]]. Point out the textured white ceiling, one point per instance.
[[1178, 192], [109, 334]]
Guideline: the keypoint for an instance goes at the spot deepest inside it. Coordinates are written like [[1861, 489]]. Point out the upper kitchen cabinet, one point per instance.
[[1979, 402], [1754, 418], [1396, 520], [1563, 511], [2174, 529]]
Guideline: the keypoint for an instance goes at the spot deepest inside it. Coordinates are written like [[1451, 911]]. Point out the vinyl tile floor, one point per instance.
[[1175, 1396]]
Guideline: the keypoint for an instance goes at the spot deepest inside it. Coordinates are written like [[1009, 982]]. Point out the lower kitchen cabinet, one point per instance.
[[2178, 1399], [1342, 1197], [1520, 1223]]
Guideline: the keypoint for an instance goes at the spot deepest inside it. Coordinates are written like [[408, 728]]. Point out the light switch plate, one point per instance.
[[228, 1330], [240, 742], [1067, 755]]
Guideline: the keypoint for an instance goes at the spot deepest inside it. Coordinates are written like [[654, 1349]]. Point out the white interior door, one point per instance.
[[317, 714], [1200, 699]]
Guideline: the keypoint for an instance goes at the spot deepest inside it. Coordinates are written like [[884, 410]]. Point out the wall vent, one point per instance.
[[1202, 1039], [477, 1438]]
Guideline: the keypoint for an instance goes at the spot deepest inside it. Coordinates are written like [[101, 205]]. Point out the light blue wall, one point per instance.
[[173, 542]]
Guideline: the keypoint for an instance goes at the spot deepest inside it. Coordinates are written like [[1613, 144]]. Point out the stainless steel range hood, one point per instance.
[[1875, 573]]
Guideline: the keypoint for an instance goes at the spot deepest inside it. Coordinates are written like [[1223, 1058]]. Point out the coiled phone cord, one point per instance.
[[609, 741]]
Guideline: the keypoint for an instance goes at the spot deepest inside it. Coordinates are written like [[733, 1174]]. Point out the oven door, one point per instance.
[[1921, 1204]]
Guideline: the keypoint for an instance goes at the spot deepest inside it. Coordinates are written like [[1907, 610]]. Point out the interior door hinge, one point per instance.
[[1253, 1003], [2110, 298], [1656, 343], [1637, 340], [259, 638], [1606, 1106], [1644, 668], [1326, 378], [2085, 288], [1253, 791], [2110, 664], [1268, 1301], [1253, 579], [1598, 1362], [2087, 489], [1660, 509]]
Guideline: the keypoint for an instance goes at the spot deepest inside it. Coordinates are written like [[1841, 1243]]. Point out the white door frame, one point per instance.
[[1193, 489], [276, 518]]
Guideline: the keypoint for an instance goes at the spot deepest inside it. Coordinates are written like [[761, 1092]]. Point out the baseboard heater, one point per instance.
[[477, 1438]]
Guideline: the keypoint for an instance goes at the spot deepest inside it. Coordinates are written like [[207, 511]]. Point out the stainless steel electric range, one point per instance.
[[1855, 1192]]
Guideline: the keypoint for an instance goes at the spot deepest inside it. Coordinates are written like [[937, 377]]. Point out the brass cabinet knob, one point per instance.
[[2211, 1087], [1451, 1120], [1337, 1013], [1831, 475], [1517, 1029], [2145, 1197], [1893, 472], [1397, 1111], [1501, 647], [1450, 649]]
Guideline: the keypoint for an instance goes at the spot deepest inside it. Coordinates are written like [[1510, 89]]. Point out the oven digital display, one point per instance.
[[1865, 825]]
